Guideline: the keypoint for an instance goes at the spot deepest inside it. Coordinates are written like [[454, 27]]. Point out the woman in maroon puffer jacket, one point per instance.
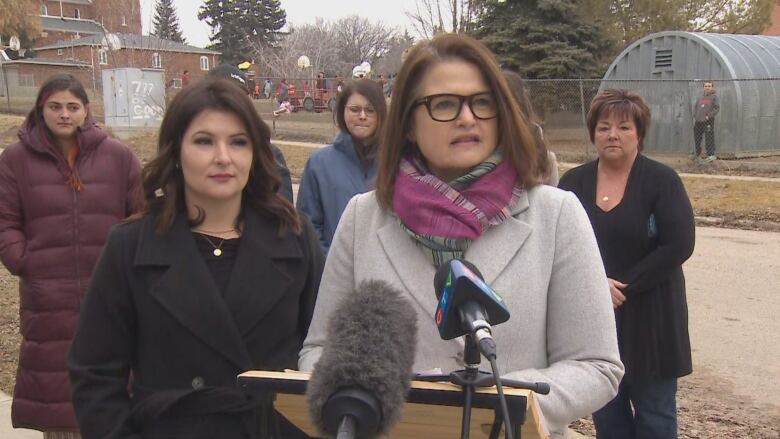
[[62, 186]]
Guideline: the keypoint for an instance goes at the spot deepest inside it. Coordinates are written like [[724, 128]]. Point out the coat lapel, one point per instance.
[[258, 281], [411, 266], [494, 250], [187, 290]]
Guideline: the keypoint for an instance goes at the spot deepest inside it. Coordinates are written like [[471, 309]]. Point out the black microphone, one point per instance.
[[359, 384], [467, 305]]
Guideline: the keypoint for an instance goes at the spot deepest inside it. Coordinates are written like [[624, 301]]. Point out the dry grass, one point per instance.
[[734, 199], [9, 329], [9, 125]]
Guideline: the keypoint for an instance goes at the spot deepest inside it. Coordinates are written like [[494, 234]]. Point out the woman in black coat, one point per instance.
[[217, 276], [644, 226]]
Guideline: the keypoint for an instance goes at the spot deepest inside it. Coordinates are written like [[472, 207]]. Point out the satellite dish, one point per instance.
[[14, 44], [303, 62], [112, 41]]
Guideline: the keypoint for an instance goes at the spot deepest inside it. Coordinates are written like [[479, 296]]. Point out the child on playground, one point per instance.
[[284, 107]]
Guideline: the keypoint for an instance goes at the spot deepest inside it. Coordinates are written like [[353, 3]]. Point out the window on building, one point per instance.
[[26, 80], [176, 83], [204, 63], [59, 52], [76, 13], [103, 56], [44, 34], [124, 21], [156, 60], [44, 9]]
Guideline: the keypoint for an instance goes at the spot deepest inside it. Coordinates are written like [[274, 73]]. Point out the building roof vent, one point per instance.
[[663, 59]]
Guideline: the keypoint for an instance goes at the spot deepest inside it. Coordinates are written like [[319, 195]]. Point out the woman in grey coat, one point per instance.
[[457, 177]]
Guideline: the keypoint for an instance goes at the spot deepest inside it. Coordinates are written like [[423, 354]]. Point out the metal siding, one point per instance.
[[133, 98], [749, 118]]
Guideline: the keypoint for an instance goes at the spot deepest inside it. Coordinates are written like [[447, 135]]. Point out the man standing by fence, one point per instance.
[[704, 112]]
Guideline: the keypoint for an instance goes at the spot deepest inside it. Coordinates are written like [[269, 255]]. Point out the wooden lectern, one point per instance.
[[432, 410]]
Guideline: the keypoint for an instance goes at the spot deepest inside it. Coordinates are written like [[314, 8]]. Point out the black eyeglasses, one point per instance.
[[446, 107]]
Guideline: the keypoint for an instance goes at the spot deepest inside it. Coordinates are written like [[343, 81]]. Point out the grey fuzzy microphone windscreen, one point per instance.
[[370, 345]]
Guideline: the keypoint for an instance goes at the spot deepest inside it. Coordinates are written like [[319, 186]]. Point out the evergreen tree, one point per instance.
[[544, 38], [165, 23], [241, 25]]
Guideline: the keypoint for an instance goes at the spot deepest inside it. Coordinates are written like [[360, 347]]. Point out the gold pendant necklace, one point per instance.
[[605, 198], [217, 248]]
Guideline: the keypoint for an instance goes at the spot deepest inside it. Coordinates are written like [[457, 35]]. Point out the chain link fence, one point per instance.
[[748, 123], [19, 83]]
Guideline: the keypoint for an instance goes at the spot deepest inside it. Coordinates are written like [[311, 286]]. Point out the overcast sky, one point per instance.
[[391, 13]]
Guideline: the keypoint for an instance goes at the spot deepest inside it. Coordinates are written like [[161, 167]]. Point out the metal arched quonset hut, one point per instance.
[[668, 70]]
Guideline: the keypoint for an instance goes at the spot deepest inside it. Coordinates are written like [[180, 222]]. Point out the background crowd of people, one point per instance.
[[146, 291]]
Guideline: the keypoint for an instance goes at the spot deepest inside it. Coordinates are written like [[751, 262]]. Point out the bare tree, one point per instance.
[[315, 41], [433, 16], [357, 39], [331, 47], [390, 62]]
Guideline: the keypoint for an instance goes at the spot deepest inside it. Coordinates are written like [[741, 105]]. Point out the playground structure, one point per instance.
[[310, 98]]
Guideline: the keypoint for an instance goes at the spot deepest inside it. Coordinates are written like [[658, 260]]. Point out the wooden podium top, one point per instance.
[[432, 410]]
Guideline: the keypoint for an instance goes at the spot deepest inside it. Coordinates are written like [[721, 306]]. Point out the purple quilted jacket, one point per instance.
[[50, 236]]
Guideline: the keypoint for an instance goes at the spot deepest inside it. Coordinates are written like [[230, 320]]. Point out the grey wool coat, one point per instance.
[[543, 261]]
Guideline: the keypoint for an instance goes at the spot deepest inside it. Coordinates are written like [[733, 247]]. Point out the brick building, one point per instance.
[[106, 34], [134, 50], [74, 19], [20, 79], [84, 37]]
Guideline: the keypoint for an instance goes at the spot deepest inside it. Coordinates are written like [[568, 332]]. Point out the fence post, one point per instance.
[[5, 84], [584, 122]]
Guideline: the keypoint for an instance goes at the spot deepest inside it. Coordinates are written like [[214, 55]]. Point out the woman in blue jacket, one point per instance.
[[337, 172]]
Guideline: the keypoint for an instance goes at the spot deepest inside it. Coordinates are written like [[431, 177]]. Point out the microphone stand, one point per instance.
[[467, 379], [471, 377]]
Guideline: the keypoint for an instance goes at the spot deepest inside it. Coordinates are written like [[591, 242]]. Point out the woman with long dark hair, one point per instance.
[[217, 276], [62, 186]]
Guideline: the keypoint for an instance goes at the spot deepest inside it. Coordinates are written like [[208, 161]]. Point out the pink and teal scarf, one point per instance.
[[444, 218]]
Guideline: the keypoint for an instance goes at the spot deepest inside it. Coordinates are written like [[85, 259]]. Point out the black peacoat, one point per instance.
[[154, 317]]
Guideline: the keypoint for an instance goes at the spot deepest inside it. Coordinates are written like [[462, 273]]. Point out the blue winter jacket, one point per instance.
[[333, 175]]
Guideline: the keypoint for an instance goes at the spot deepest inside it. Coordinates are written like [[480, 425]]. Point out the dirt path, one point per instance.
[[733, 284]]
